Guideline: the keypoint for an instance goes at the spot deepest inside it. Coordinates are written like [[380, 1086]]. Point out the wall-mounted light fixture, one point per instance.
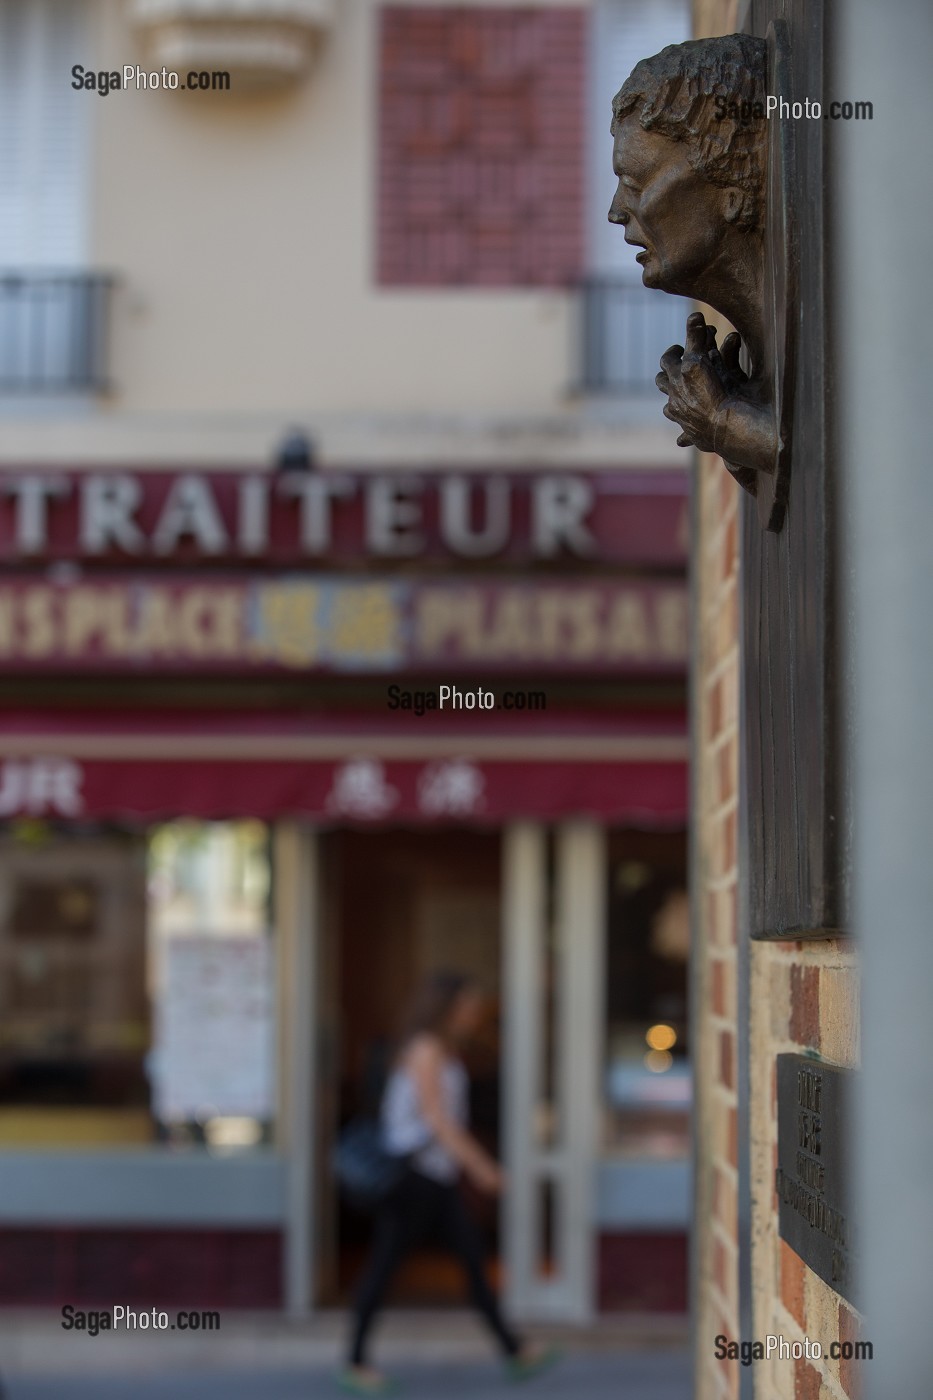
[[260, 43], [295, 453]]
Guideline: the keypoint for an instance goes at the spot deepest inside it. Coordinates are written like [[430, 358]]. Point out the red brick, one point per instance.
[[730, 617], [731, 546], [806, 1381], [850, 1371], [725, 1203], [723, 917], [720, 1268], [792, 1276], [725, 781], [731, 925], [717, 994], [729, 490], [805, 1006], [730, 842], [719, 1193], [715, 710], [727, 1059]]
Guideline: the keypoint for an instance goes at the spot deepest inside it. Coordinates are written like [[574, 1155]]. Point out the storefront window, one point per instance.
[[210, 973], [136, 986], [647, 1072]]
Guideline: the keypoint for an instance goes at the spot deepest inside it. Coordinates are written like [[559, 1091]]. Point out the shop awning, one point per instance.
[[348, 770]]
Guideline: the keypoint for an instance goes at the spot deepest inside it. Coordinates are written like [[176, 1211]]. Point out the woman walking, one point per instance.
[[424, 1120]]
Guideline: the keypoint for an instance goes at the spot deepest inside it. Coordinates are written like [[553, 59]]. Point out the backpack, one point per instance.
[[366, 1172]]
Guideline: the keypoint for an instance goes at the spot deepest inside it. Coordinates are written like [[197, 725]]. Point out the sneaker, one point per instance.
[[534, 1363], [364, 1382]]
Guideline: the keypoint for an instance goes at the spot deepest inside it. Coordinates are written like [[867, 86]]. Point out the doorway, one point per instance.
[[397, 905]]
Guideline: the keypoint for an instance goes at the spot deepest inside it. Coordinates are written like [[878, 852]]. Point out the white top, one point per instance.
[[404, 1130]]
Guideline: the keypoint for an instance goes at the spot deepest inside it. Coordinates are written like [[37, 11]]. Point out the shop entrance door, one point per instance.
[[397, 905]]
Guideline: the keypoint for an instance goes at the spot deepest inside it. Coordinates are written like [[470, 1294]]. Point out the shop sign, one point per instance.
[[362, 790], [292, 518], [304, 623]]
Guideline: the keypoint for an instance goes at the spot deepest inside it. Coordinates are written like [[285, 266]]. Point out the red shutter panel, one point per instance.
[[481, 160]]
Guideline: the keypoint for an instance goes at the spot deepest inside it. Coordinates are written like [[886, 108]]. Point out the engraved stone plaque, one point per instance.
[[812, 1181]]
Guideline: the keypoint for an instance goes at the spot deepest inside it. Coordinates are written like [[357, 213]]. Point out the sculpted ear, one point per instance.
[[734, 201]]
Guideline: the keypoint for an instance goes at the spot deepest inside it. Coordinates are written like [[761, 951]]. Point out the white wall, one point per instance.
[[241, 229]]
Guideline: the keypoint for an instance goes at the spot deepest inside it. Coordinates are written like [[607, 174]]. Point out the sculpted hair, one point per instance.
[[675, 94]]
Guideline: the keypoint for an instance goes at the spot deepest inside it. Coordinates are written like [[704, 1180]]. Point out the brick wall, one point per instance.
[[480, 146], [802, 997], [715, 779]]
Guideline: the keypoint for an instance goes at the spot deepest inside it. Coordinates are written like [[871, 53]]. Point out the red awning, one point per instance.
[[338, 771]]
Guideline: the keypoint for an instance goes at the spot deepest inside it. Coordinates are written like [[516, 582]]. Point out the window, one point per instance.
[[51, 309], [136, 985], [43, 136], [625, 327], [211, 1068], [647, 1077]]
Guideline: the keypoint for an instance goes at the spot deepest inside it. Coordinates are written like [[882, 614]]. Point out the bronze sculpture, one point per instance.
[[691, 156]]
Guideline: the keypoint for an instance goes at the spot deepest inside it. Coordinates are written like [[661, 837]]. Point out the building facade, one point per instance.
[[323, 390]]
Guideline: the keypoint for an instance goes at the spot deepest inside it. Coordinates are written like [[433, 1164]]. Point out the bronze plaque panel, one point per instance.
[[795, 852], [812, 1181]]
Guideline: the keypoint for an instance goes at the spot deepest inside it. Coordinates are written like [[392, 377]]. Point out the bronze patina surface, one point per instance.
[[698, 195]]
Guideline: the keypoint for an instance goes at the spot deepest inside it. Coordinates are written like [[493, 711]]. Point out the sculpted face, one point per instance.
[[667, 209]]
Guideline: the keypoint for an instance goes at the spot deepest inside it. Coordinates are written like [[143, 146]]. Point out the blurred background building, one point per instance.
[[331, 381]]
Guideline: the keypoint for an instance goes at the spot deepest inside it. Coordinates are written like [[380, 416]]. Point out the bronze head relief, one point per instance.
[[690, 153]]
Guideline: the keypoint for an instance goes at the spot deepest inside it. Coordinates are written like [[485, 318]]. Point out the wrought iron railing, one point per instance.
[[53, 332], [625, 329]]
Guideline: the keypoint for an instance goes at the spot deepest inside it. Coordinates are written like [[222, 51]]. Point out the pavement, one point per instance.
[[632, 1376], [432, 1356]]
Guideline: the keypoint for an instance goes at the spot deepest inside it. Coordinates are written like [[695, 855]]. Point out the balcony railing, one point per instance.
[[53, 332], [625, 329]]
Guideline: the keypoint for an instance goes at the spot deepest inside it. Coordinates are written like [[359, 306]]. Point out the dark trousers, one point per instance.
[[421, 1209]]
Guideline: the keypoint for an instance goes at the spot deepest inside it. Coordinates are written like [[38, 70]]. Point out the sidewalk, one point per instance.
[[34, 1343], [257, 1357], [663, 1375]]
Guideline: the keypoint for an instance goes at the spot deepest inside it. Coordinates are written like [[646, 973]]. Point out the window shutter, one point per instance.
[[43, 135]]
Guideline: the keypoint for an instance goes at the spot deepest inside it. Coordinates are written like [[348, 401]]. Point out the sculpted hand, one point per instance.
[[695, 380], [708, 400]]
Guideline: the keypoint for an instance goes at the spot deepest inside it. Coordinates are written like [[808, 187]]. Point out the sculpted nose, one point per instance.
[[618, 213]]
